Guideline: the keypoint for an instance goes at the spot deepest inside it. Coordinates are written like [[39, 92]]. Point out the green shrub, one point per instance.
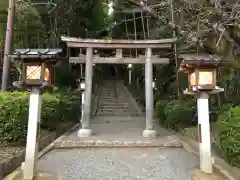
[[12, 129], [216, 110], [50, 114], [69, 104], [14, 113], [228, 130], [178, 113], [159, 110]]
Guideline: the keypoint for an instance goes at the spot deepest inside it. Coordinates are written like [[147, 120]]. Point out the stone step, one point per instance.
[[112, 103], [111, 97], [117, 114], [115, 111], [167, 142], [114, 108], [111, 106], [113, 100], [109, 90], [108, 94]]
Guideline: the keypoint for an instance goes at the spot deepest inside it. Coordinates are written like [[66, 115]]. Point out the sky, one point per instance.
[[110, 8]]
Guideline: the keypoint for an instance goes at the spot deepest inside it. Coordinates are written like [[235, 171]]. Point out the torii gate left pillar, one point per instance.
[[86, 130], [149, 130]]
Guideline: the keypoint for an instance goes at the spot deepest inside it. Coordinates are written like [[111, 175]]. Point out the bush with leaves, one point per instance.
[[50, 114], [67, 97], [159, 110], [13, 117], [228, 129], [178, 113], [14, 113]]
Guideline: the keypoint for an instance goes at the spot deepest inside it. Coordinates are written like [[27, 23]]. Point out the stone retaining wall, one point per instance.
[[14, 161]]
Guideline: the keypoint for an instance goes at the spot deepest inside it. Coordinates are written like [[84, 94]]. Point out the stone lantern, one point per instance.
[[36, 76], [202, 75]]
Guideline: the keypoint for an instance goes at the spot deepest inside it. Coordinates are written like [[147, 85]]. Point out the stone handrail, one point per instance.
[[95, 92]]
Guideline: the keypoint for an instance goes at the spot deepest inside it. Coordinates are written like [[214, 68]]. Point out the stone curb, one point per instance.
[[51, 138], [18, 175], [187, 145], [51, 145], [60, 138], [15, 175], [114, 144]]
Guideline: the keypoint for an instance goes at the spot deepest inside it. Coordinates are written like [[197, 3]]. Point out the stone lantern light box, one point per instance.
[[202, 71], [37, 64]]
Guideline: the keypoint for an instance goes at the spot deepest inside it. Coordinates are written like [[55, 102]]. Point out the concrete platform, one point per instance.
[[119, 132]]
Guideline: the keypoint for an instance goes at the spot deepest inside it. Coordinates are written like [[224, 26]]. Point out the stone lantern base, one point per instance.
[[18, 175], [197, 174]]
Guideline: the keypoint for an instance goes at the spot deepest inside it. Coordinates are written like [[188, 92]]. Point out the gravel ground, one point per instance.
[[119, 164]]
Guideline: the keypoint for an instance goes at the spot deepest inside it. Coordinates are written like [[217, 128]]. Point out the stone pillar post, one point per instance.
[[85, 130], [33, 136], [149, 131], [81, 70], [129, 76], [204, 132]]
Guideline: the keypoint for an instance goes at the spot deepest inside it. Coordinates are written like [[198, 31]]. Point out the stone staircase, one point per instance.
[[114, 101]]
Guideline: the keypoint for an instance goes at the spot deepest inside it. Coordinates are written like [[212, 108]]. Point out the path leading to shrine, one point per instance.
[[136, 157], [117, 149], [119, 164]]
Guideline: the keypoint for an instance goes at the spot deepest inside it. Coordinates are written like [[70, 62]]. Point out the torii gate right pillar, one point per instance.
[[149, 130]]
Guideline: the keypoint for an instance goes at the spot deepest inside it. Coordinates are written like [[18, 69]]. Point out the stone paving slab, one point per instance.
[[119, 164], [119, 132], [119, 128]]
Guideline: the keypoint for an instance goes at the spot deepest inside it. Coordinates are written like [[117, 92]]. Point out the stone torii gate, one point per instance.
[[89, 59]]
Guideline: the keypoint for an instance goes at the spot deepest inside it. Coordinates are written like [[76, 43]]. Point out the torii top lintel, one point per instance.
[[36, 53], [102, 43]]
